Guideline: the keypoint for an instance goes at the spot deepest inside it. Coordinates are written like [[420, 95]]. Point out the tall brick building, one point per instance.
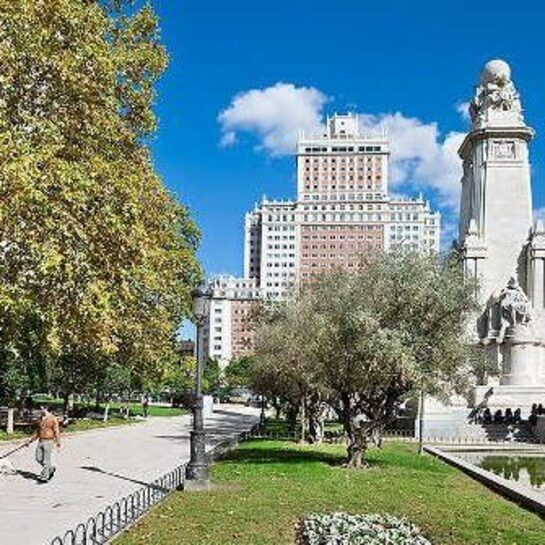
[[342, 211]]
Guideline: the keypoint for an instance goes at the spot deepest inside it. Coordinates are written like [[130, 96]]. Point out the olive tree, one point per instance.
[[285, 369], [365, 340], [394, 327]]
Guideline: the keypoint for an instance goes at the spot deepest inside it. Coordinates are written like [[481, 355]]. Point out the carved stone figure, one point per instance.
[[495, 92], [514, 308], [506, 313]]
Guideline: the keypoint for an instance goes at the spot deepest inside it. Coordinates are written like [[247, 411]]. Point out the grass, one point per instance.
[[135, 408], [154, 410], [266, 485], [92, 424], [85, 425], [77, 425], [12, 436]]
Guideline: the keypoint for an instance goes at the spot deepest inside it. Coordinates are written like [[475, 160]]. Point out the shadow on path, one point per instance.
[[28, 475], [123, 478]]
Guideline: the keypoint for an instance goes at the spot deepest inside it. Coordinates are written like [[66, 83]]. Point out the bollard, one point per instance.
[[9, 426]]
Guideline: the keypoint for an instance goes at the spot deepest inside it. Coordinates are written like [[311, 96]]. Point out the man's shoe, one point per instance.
[[52, 473]]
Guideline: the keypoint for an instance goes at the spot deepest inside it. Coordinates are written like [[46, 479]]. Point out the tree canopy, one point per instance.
[[97, 258], [363, 341]]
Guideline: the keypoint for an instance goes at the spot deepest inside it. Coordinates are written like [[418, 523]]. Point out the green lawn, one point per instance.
[[77, 425], [266, 485], [91, 424], [153, 410], [135, 408], [84, 424], [10, 437]]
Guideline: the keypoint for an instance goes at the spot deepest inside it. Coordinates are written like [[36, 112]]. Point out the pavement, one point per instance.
[[98, 467]]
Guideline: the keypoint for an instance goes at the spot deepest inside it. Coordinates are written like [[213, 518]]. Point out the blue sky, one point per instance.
[[410, 63]]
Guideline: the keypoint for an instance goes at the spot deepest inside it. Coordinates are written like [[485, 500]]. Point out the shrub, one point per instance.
[[345, 529]]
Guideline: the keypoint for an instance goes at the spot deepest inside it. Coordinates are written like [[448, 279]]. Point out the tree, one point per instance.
[[394, 328], [363, 341], [211, 377], [285, 349], [94, 251], [239, 373]]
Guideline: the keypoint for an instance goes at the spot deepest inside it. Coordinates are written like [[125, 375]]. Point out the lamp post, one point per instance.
[[197, 469]]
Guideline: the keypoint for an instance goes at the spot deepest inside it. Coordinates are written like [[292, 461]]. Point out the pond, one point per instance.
[[526, 468]]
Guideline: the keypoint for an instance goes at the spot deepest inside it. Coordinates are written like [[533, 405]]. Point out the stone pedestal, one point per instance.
[[523, 363], [513, 397], [442, 422]]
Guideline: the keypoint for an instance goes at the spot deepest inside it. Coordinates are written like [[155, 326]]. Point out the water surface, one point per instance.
[[525, 468]]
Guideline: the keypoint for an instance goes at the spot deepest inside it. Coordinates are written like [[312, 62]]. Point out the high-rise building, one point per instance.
[[228, 333], [271, 247], [342, 211]]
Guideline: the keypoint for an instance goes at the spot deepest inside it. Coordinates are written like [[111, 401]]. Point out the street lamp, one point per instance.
[[197, 468]]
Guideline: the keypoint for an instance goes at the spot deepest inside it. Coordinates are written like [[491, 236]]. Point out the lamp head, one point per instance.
[[201, 303]]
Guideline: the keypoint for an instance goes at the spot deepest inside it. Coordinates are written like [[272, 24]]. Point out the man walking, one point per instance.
[[48, 433]]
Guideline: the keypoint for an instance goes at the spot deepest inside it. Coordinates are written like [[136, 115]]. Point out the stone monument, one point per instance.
[[500, 246]]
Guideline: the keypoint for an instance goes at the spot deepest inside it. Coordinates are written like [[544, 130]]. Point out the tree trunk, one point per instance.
[[377, 438], [291, 417], [303, 420], [277, 408], [315, 429], [66, 403], [358, 443]]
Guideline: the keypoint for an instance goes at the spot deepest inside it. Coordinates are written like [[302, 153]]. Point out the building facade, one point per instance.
[[341, 212], [227, 332]]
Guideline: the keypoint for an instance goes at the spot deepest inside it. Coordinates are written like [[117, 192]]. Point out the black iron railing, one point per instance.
[[119, 515]]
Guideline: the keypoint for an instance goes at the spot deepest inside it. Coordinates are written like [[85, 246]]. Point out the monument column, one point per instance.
[[497, 243]]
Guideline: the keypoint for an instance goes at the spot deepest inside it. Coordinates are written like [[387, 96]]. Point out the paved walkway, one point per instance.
[[122, 460]]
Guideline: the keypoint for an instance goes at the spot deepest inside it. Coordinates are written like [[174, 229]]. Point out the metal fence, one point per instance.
[[338, 438], [121, 514]]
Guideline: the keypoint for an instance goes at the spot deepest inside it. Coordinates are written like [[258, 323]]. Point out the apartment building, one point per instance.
[[227, 333], [342, 210]]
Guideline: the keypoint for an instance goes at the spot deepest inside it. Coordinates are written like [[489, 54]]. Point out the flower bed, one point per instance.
[[345, 529]]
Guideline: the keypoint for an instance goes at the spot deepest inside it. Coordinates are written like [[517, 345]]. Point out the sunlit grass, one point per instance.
[[266, 485]]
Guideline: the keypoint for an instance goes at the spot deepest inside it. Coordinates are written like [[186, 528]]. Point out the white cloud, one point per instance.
[[463, 109], [275, 114], [228, 139], [421, 158]]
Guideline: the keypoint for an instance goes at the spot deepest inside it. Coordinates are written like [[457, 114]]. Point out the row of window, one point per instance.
[[337, 197], [351, 197], [333, 265], [351, 167], [335, 256], [360, 227], [343, 217], [343, 149], [281, 246], [280, 228], [278, 274], [276, 265]]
